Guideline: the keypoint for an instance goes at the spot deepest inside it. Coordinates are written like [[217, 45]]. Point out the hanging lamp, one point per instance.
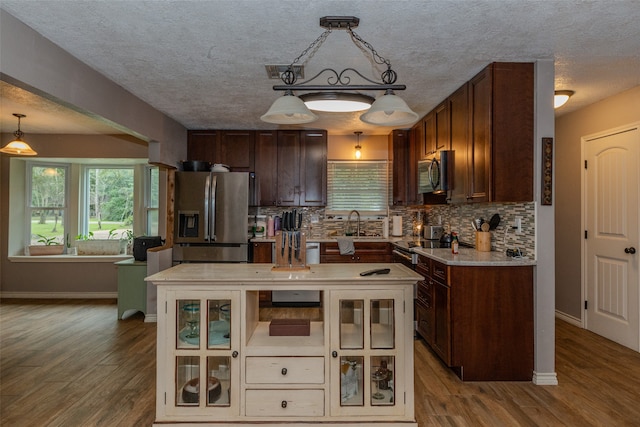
[[358, 147], [340, 86], [18, 146]]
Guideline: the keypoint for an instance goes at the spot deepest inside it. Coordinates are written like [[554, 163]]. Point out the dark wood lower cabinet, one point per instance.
[[478, 320], [364, 252]]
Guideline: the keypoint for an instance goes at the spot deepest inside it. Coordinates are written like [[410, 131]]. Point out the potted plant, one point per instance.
[[88, 245], [49, 246]]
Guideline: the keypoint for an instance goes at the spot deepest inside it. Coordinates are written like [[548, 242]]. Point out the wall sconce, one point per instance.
[[358, 152], [18, 146], [561, 97]]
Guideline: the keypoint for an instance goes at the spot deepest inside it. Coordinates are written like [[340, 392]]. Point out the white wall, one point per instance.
[[615, 111]]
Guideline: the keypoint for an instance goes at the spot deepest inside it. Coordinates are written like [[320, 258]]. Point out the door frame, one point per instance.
[[583, 208]]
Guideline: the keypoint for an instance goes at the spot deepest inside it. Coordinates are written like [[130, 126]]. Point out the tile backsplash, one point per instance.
[[455, 218]]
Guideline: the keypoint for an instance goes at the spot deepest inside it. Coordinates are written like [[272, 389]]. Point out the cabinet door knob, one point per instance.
[[334, 353], [630, 250], [234, 354], [284, 371], [284, 404]]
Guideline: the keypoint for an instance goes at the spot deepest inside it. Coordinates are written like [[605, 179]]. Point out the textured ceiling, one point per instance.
[[202, 62]]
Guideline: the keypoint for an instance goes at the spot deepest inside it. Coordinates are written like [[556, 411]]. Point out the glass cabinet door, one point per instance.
[[206, 333], [365, 351]]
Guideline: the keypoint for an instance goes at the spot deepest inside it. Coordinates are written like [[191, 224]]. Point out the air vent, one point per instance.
[[274, 71]]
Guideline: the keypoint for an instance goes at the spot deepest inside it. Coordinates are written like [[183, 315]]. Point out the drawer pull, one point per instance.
[[284, 404], [284, 371], [234, 354]]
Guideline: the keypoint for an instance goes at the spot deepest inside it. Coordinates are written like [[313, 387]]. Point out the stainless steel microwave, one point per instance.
[[435, 173]]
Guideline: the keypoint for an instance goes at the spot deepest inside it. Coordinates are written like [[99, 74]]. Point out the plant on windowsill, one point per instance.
[[49, 246], [88, 245]]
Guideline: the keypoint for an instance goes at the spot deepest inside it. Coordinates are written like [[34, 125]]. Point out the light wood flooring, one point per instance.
[[71, 363]]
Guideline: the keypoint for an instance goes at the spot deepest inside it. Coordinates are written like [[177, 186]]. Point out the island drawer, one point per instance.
[[284, 403], [285, 370]]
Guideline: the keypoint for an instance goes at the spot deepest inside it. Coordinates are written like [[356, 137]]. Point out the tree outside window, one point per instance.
[[48, 203], [110, 202]]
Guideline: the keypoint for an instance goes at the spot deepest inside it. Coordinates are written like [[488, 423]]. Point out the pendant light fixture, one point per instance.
[[561, 97], [358, 152], [339, 94], [18, 146]]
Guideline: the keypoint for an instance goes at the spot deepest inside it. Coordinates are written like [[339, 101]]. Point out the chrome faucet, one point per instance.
[[349, 222]]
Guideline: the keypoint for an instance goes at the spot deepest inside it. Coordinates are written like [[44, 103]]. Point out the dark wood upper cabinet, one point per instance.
[[499, 150], [266, 161], [302, 168], [458, 105], [402, 155], [288, 168], [202, 145], [313, 168], [443, 127], [236, 150]]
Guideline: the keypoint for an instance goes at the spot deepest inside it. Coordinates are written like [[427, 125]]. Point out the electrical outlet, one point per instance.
[[517, 224]]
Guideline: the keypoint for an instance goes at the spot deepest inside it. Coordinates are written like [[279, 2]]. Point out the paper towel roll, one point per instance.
[[396, 226], [385, 228]]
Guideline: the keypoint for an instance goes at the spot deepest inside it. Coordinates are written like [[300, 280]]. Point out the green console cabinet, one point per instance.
[[132, 289]]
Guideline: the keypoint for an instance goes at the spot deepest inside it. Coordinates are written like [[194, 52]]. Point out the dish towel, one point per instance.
[[345, 244]]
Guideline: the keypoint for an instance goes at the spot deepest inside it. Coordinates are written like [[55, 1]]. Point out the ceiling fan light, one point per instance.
[[337, 102], [389, 110], [561, 97], [288, 110]]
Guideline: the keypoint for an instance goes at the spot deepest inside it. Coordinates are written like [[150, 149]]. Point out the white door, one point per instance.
[[611, 221]]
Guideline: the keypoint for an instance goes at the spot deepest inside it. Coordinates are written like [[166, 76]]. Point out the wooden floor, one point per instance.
[[71, 363]]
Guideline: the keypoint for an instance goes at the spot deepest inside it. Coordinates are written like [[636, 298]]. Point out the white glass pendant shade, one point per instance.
[[561, 97], [337, 102], [288, 110], [18, 147], [389, 110]]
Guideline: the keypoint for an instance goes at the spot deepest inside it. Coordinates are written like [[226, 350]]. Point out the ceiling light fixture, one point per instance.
[[387, 110], [18, 146], [561, 97], [358, 153], [336, 102]]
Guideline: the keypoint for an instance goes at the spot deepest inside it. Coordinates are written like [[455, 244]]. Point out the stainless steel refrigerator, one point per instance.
[[211, 211]]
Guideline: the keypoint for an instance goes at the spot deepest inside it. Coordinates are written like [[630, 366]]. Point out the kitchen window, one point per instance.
[[55, 200], [47, 204], [360, 185], [107, 201]]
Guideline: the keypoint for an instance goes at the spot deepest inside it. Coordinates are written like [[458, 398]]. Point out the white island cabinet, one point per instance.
[[354, 366]]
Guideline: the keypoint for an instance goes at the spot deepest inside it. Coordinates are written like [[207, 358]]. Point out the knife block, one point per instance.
[[290, 251]]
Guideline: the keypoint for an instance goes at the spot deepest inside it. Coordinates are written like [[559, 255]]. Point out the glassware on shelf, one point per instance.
[[191, 313], [351, 381], [377, 378]]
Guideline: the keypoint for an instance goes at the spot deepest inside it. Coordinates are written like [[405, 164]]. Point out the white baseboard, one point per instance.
[[575, 321], [545, 378], [151, 318], [59, 295]]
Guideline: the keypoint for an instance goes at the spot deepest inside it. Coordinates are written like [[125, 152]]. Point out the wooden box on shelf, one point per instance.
[[290, 327]]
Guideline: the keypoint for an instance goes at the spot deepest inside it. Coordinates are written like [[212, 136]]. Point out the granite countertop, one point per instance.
[[471, 257], [257, 274], [331, 239]]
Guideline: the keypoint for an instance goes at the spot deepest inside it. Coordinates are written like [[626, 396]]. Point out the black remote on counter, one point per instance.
[[376, 271]]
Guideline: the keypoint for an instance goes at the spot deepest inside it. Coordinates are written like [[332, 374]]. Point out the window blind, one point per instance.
[[360, 185]]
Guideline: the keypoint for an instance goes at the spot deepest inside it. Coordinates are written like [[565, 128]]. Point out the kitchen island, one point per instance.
[[353, 366]]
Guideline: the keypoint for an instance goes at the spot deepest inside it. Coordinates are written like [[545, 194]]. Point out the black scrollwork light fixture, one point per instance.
[[337, 95], [18, 146]]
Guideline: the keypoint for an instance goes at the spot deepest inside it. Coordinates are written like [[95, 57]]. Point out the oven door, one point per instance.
[[403, 258]]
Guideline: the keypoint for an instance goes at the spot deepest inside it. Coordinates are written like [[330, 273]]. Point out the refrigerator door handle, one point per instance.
[[207, 186], [212, 202]]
